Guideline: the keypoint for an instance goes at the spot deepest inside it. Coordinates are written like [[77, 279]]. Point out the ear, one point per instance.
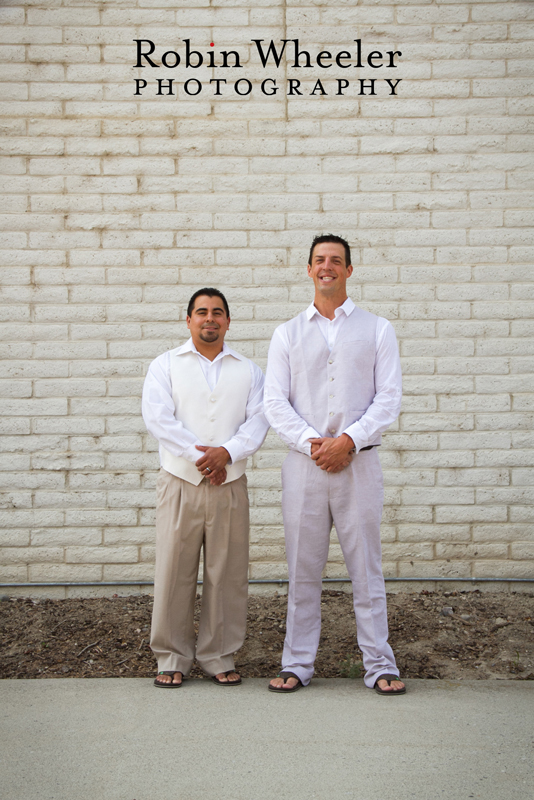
[[188, 320], [309, 270], [349, 270]]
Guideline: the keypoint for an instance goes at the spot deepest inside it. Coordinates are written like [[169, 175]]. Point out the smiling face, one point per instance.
[[329, 271], [208, 322]]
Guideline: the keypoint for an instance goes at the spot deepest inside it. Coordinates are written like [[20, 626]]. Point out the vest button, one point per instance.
[[330, 362], [330, 395], [332, 430], [331, 379], [211, 438], [212, 399], [331, 414]]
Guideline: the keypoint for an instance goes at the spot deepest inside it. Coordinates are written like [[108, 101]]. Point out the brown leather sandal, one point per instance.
[[226, 683], [170, 684], [286, 675], [387, 677]]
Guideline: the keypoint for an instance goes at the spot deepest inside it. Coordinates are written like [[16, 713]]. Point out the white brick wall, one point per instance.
[[118, 207]]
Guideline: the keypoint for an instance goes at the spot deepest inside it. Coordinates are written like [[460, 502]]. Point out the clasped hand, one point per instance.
[[332, 455], [213, 463]]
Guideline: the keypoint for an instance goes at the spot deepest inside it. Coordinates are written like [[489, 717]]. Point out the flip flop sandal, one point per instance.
[[226, 683], [170, 684], [388, 678], [286, 675]]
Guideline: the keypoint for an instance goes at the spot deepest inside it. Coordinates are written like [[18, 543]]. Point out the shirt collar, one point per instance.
[[347, 308], [189, 347]]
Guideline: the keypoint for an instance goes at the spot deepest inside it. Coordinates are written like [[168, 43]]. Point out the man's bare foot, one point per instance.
[[285, 682], [169, 678], [389, 684], [391, 687], [229, 678]]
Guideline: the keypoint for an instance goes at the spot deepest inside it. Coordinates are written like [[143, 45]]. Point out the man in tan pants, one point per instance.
[[203, 403]]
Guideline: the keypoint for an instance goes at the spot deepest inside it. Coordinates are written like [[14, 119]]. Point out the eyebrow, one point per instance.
[[203, 308]]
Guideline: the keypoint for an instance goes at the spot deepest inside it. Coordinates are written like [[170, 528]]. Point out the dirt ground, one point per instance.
[[457, 635]]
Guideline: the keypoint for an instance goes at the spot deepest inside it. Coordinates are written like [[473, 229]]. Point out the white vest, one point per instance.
[[213, 416], [331, 390]]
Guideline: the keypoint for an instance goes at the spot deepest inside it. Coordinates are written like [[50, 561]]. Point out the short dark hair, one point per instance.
[[210, 293], [330, 237]]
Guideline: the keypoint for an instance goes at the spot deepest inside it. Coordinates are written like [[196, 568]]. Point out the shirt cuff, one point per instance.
[[236, 452], [192, 454], [358, 435], [303, 445]]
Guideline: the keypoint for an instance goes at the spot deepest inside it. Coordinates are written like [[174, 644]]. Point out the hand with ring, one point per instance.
[[217, 458]]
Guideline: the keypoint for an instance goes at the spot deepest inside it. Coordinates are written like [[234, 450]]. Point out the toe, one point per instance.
[[291, 683], [390, 686]]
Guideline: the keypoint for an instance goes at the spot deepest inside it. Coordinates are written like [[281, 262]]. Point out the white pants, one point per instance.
[[352, 499]]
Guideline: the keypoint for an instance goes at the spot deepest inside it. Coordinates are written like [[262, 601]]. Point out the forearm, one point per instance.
[[252, 432], [290, 427], [383, 411]]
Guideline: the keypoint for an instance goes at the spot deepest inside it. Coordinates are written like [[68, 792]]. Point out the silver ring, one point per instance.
[[208, 470]]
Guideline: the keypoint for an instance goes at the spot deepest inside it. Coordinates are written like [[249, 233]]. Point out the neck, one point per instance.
[[209, 350], [326, 306]]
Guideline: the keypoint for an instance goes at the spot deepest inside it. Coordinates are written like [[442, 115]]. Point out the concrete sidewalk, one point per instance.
[[122, 739]]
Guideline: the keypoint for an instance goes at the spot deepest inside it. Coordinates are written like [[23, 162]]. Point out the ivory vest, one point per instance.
[[332, 390], [213, 416]]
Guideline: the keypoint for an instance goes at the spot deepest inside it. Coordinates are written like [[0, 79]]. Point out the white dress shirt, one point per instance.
[[388, 382], [158, 408]]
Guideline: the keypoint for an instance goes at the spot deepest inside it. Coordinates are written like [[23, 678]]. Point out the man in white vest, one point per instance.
[[203, 403], [333, 386]]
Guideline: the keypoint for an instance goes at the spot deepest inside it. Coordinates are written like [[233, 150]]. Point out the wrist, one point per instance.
[[348, 444]]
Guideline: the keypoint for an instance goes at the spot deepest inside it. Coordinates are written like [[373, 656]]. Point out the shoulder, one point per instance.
[[382, 325], [163, 361], [229, 351], [286, 330], [363, 315], [252, 366]]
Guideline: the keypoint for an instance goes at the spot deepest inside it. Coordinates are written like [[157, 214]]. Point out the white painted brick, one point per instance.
[[438, 459], [134, 201], [516, 421], [65, 572], [515, 569], [501, 458], [490, 533], [472, 366]]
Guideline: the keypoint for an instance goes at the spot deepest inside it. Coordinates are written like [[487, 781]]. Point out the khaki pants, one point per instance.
[[188, 518]]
